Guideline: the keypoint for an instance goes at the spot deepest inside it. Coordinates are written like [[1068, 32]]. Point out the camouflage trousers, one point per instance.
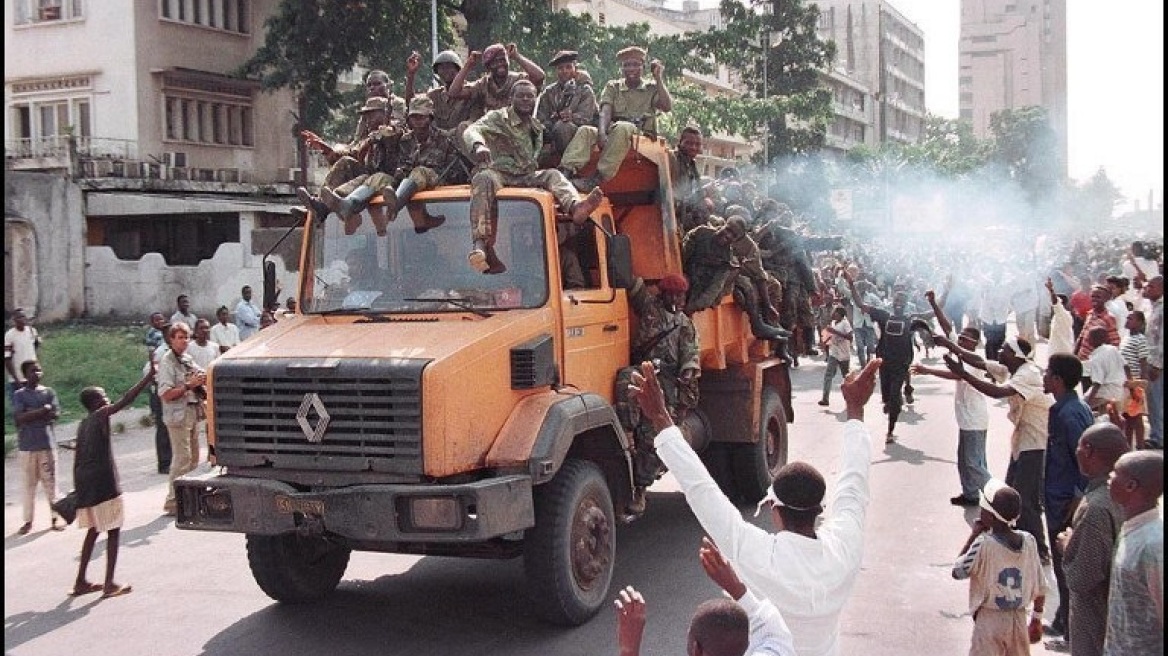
[[579, 150], [344, 170], [796, 308], [679, 394], [386, 185], [707, 286], [484, 210], [750, 296]]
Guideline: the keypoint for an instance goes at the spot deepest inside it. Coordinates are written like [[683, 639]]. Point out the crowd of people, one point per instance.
[[1085, 474]]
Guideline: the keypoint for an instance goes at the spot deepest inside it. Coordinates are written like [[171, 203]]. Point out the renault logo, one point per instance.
[[312, 402]]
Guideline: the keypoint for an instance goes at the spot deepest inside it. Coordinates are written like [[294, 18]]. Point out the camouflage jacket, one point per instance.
[[514, 143], [687, 182], [490, 96], [397, 114], [674, 333], [449, 112], [380, 150], [436, 153], [579, 98]]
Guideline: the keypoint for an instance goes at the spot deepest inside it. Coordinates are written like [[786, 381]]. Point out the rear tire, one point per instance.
[[294, 569], [754, 465], [569, 554]]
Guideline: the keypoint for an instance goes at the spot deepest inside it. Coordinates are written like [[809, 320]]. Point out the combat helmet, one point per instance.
[[448, 57]]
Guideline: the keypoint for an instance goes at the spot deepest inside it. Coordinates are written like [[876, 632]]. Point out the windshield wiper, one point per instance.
[[460, 303]]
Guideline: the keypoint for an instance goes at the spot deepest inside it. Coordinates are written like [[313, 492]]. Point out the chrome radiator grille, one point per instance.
[[338, 415]]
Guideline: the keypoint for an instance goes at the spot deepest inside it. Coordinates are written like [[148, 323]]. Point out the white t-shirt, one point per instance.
[[969, 405], [838, 347], [1029, 408], [203, 355], [1117, 308], [1062, 331], [225, 334], [1105, 368], [20, 346]]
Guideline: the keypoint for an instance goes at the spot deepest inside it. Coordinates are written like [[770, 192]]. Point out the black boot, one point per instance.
[[423, 220], [313, 203]]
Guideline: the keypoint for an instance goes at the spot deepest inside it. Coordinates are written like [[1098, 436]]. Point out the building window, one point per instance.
[[42, 127], [27, 12], [208, 121], [223, 15], [182, 239]]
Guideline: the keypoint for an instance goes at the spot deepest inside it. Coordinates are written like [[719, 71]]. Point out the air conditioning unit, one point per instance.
[[204, 175], [289, 175], [174, 159], [180, 173], [99, 168], [227, 175], [152, 171]]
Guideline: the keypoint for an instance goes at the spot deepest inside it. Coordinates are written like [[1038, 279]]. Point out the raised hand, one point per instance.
[[719, 569], [413, 63], [630, 621], [858, 386], [645, 391]]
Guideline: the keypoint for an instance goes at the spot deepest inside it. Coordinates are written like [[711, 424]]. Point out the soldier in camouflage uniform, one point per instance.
[[493, 90], [628, 107], [351, 165], [505, 143], [667, 337], [712, 265], [691, 202], [564, 106], [413, 161], [783, 256], [451, 115]]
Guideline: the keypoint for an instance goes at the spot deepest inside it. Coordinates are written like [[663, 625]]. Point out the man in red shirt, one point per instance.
[[1080, 303], [1098, 317]]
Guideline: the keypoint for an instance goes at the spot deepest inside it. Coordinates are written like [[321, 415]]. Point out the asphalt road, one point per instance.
[[193, 592]]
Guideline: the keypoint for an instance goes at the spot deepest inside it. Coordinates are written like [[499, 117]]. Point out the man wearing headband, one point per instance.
[[1005, 576], [806, 571], [1029, 406]]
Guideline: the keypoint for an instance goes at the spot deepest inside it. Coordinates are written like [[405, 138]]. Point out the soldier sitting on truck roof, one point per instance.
[[564, 106], [505, 143], [493, 90], [667, 337], [712, 265], [421, 159], [628, 107], [352, 165]]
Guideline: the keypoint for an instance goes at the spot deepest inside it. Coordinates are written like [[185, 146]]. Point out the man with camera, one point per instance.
[[180, 386]]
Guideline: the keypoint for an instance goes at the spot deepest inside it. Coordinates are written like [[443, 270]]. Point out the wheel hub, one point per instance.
[[591, 545]]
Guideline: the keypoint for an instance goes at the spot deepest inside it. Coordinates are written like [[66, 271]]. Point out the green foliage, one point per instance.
[[75, 356], [1093, 202], [1027, 148]]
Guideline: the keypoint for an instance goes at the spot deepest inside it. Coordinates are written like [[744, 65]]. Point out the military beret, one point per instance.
[[563, 57], [376, 104], [631, 52], [422, 105], [493, 52]]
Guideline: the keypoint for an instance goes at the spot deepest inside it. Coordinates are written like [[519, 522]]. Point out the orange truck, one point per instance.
[[416, 406]]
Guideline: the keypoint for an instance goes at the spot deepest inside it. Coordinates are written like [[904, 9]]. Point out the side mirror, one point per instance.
[[620, 262], [269, 284]]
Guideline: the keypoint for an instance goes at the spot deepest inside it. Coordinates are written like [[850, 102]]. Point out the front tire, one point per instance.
[[569, 554], [294, 569], [755, 464]]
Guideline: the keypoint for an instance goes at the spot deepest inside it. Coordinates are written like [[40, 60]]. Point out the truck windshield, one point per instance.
[[403, 270]]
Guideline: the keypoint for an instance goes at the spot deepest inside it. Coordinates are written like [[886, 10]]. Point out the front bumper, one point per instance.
[[470, 512]]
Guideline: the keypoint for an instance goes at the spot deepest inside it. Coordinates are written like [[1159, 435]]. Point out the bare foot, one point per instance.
[[583, 208], [116, 590], [84, 588]]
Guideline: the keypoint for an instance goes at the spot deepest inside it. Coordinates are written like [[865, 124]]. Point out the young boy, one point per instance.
[[95, 481], [1105, 368], [1005, 576], [35, 407], [1135, 358], [839, 349]]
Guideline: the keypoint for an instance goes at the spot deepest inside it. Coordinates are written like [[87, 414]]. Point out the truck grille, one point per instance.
[[374, 410]]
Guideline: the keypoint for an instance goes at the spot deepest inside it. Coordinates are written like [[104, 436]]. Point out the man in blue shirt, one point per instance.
[[35, 407], [1065, 484]]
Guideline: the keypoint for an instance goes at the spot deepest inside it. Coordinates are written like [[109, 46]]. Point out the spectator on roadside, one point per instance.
[[1063, 482], [178, 379], [155, 345], [35, 407], [1062, 324], [1005, 576], [1088, 544], [807, 568], [1134, 350], [247, 315], [1098, 317], [743, 625], [224, 333], [21, 343], [839, 350], [1154, 292], [201, 348], [183, 313], [95, 481], [1135, 614], [1105, 367]]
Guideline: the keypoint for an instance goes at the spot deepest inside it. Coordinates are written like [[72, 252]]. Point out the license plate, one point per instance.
[[287, 505]]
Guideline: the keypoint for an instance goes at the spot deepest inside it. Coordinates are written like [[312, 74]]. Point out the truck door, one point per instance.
[[596, 319]]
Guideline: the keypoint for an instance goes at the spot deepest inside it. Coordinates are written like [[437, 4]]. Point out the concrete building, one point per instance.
[[1013, 54], [721, 150], [136, 167], [853, 116], [884, 52]]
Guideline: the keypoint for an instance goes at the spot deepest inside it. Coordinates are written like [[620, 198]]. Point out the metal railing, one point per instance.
[[59, 146]]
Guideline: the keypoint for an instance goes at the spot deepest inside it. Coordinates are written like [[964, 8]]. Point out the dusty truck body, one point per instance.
[[416, 406]]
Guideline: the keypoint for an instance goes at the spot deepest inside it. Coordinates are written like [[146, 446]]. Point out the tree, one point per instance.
[[1093, 202], [1026, 146]]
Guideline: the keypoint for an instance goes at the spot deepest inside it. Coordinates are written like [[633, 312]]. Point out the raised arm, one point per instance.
[[534, 72], [942, 321], [132, 393], [458, 85], [413, 62], [664, 100], [984, 386]]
